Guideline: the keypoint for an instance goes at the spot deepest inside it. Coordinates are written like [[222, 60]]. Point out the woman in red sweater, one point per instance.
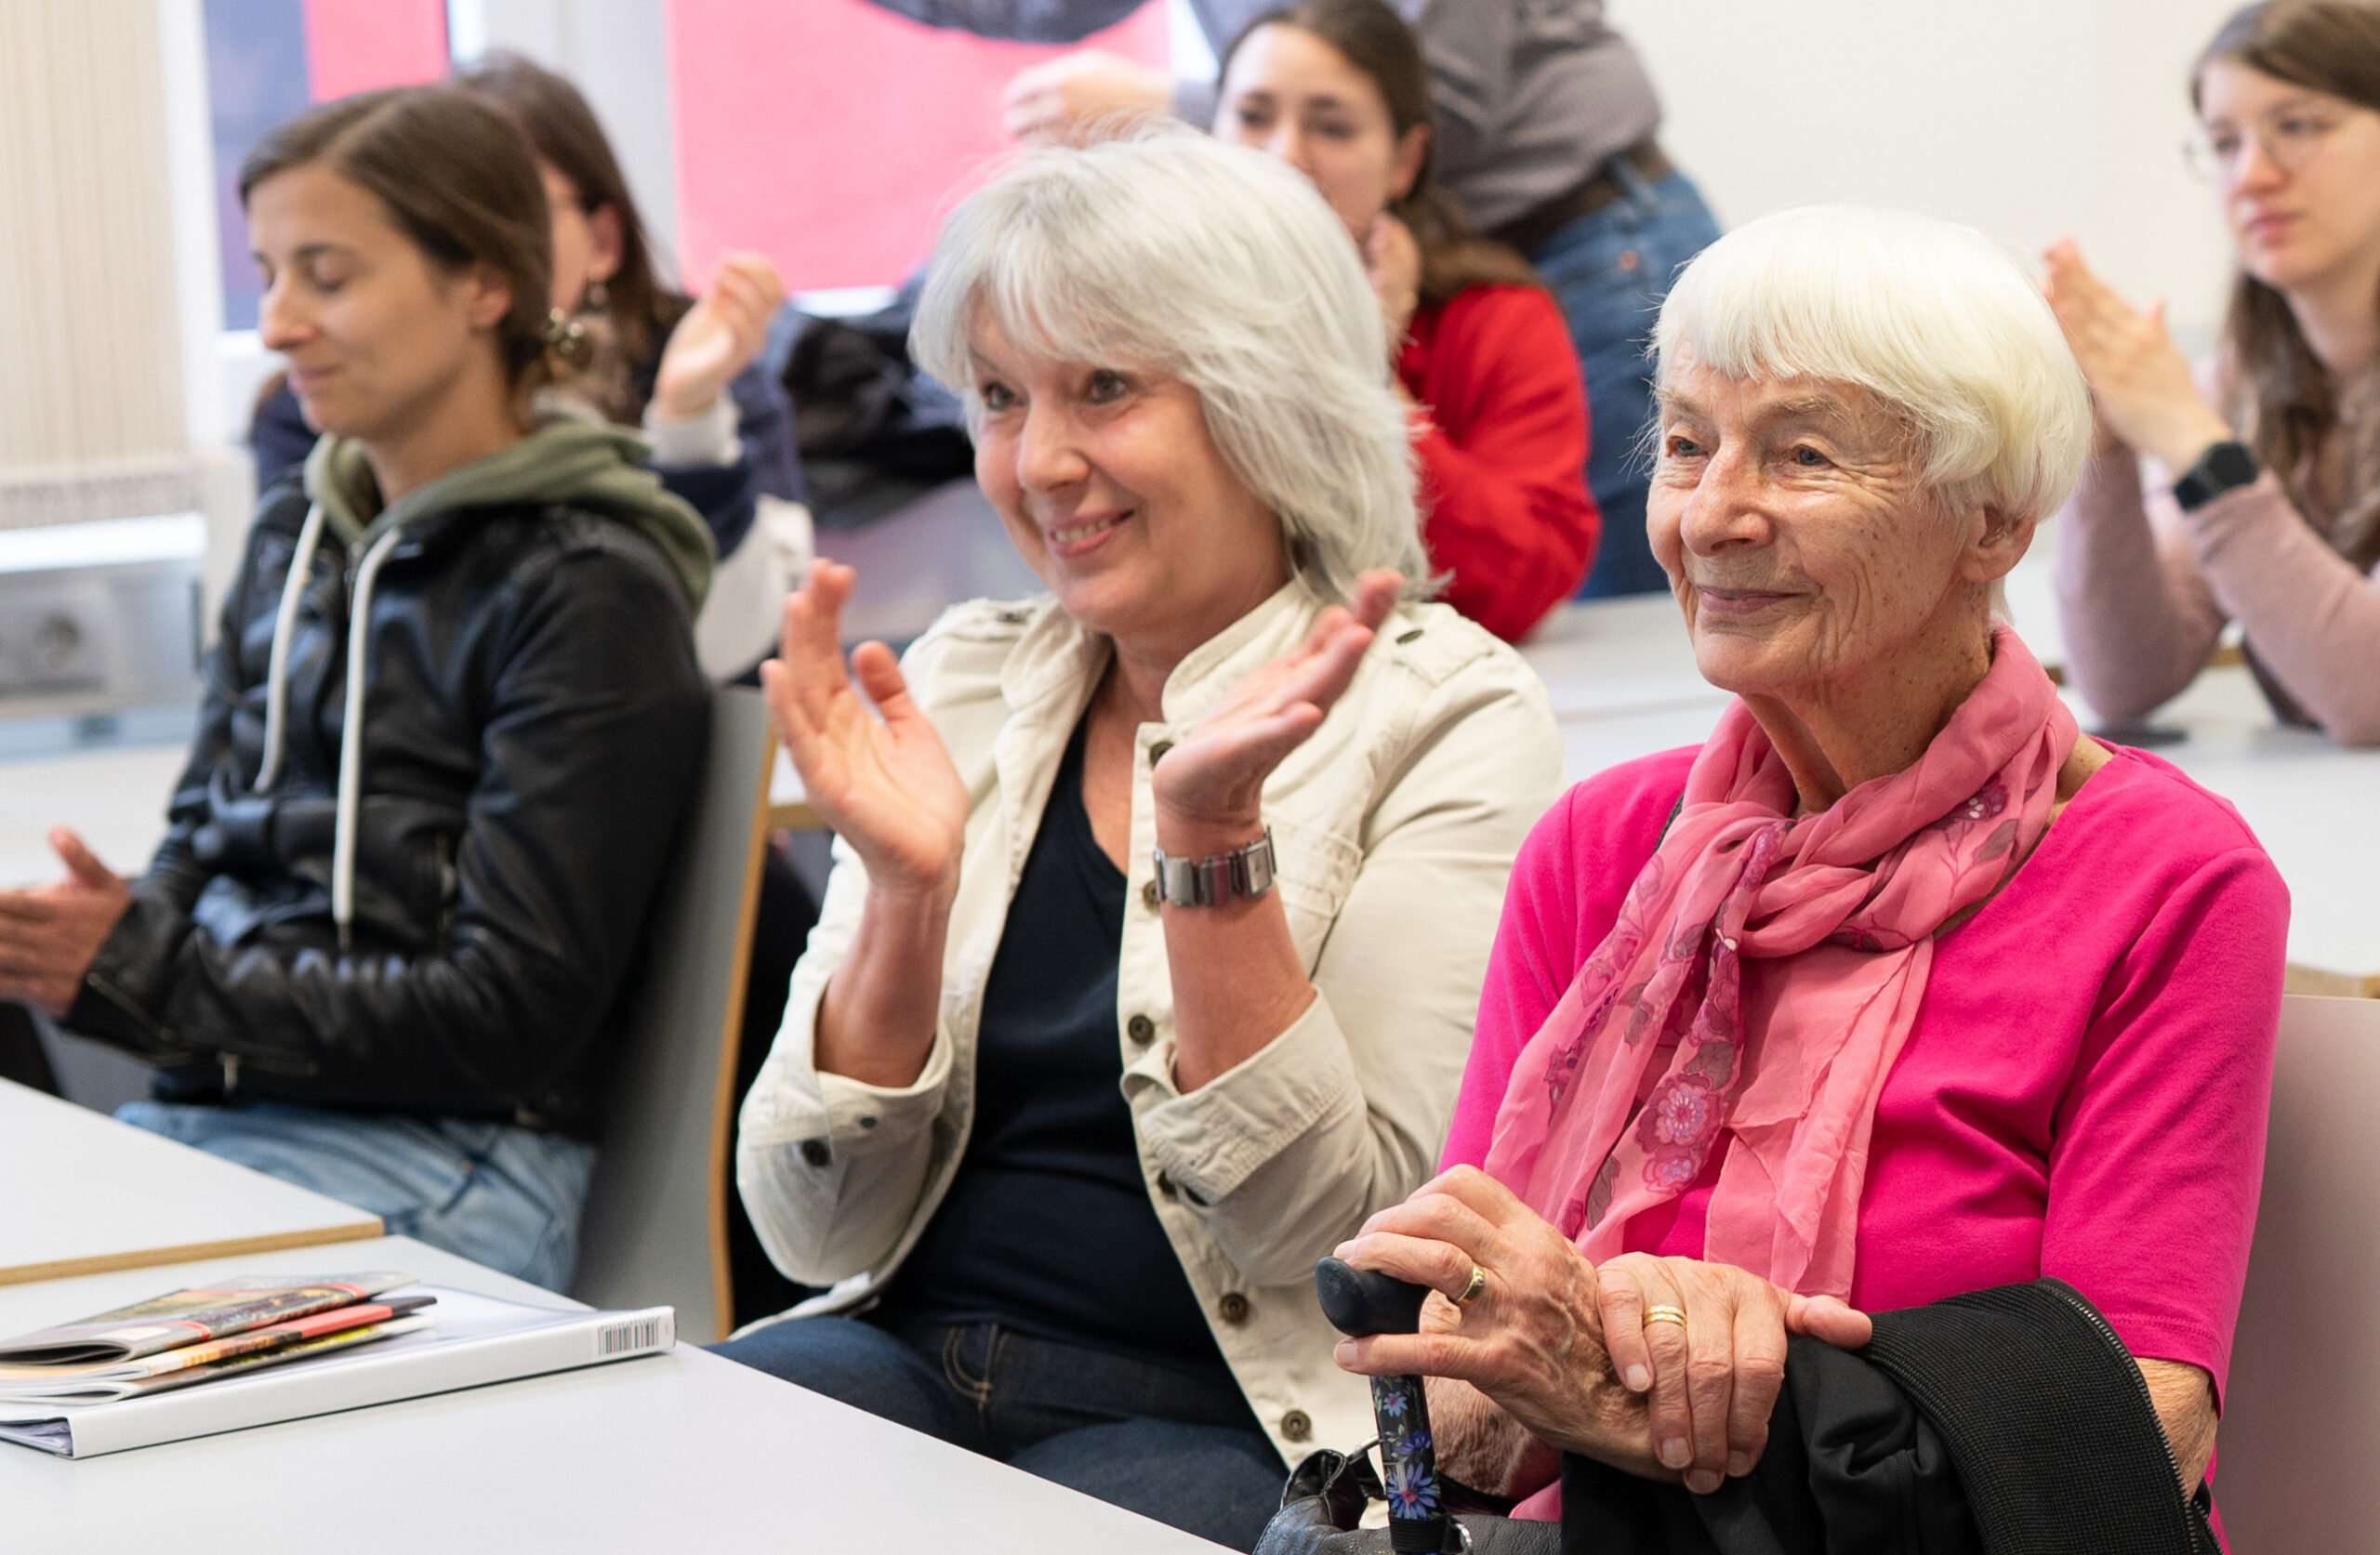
[[1338, 88]]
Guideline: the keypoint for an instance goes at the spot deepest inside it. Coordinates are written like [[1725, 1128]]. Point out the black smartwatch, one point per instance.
[[2224, 467]]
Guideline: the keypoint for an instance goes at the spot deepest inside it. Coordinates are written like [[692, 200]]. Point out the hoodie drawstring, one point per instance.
[[285, 621], [350, 738]]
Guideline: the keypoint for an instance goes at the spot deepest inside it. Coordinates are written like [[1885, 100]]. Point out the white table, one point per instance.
[[80, 1193], [682, 1452]]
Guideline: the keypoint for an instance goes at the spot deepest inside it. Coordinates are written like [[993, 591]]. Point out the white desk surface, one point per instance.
[[682, 1452], [81, 1193]]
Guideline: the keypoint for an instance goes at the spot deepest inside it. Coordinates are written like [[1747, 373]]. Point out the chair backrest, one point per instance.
[[655, 1224], [2297, 1457]]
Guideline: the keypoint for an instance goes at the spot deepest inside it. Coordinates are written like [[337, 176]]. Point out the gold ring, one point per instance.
[[1665, 1314], [1471, 1292]]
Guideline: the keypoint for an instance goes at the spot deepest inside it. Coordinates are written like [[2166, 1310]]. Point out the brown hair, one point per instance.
[[569, 139], [2286, 399], [1375, 40], [460, 179]]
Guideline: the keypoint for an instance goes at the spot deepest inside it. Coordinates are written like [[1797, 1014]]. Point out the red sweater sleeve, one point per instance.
[[1503, 452]]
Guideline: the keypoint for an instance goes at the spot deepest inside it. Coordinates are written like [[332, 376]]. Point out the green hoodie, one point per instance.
[[593, 468]]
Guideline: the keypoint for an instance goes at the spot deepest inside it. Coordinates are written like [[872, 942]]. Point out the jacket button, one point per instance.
[[1233, 1307], [816, 1153], [1296, 1426], [1148, 894], [1157, 752], [1413, 636], [1141, 1029]]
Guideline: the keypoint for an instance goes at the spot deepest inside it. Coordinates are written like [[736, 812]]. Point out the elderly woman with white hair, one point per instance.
[[1162, 900], [1895, 990]]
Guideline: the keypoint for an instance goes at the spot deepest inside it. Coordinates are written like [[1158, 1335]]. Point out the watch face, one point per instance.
[[2228, 465]]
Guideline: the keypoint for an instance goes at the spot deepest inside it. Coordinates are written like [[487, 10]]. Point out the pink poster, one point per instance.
[[830, 134], [357, 45]]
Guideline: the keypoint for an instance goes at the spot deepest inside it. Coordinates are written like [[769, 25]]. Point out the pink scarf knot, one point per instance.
[[1761, 979]]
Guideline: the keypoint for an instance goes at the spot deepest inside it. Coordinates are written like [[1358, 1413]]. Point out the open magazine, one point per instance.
[[399, 1343], [103, 1381], [188, 1317]]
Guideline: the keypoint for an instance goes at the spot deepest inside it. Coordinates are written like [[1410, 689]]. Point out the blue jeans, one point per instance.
[[1609, 270], [1172, 1443], [502, 1196]]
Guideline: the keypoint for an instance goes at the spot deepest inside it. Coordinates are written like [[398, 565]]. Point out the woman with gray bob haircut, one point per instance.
[[1161, 902], [1212, 270], [1895, 990]]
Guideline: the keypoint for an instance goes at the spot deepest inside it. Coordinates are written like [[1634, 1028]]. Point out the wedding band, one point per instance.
[[1665, 1314], [1471, 1292]]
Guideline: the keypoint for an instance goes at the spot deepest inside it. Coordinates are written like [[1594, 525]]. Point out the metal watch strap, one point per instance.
[[1242, 872]]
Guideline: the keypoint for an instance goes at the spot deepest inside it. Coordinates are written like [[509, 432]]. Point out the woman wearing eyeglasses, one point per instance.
[[2270, 510]]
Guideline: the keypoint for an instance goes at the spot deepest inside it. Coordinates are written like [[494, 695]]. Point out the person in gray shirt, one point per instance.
[[1546, 122]]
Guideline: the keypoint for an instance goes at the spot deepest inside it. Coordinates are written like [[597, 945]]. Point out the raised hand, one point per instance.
[[719, 336], [2140, 384], [882, 778], [1393, 264], [1057, 98], [49, 937], [1210, 787]]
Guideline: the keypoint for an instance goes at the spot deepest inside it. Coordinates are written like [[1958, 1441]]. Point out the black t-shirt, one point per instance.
[[1048, 1227]]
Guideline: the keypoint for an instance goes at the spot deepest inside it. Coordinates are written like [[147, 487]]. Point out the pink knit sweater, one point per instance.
[[2143, 589]]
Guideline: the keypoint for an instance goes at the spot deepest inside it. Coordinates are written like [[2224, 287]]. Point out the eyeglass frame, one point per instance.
[[2202, 157]]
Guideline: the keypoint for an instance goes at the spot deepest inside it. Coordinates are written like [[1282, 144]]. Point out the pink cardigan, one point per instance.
[[2144, 587], [2083, 1094]]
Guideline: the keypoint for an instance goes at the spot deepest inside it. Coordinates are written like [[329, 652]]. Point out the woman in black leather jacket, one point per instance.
[[449, 727]]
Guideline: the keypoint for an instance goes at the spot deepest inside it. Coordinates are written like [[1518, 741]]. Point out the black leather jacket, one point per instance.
[[533, 730]]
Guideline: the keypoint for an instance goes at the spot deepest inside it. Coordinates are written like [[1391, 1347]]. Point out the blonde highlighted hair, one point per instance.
[[1218, 266]]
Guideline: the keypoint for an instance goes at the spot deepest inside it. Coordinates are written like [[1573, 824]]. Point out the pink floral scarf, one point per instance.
[[1761, 980]]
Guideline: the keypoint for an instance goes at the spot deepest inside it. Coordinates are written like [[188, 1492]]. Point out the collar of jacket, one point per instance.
[[565, 460], [1059, 654]]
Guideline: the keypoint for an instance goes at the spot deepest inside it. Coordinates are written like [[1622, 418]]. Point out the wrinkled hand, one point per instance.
[[719, 336], [1712, 1382], [1054, 101], [2140, 384], [1210, 786], [1393, 264], [881, 779], [1531, 1340], [49, 937]]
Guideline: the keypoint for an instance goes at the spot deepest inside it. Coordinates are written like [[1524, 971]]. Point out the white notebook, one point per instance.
[[471, 1340]]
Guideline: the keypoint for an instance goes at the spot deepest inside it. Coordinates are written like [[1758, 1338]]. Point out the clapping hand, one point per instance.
[[1056, 98], [2140, 384], [50, 936], [1393, 264], [719, 336], [882, 778], [1210, 787]]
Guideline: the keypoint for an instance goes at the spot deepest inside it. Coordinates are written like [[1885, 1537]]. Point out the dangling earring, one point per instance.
[[597, 297], [567, 338]]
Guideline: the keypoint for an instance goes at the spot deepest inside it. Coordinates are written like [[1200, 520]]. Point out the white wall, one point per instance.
[[2028, 118], [618, 51]]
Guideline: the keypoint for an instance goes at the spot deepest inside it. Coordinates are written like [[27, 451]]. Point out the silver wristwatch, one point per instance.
[[1243, 872]]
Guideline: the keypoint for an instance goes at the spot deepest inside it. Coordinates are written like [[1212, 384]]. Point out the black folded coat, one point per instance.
[[2009, 1421]]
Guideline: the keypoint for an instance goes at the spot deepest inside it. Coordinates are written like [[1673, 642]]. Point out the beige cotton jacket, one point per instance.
[[1394, 827]]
